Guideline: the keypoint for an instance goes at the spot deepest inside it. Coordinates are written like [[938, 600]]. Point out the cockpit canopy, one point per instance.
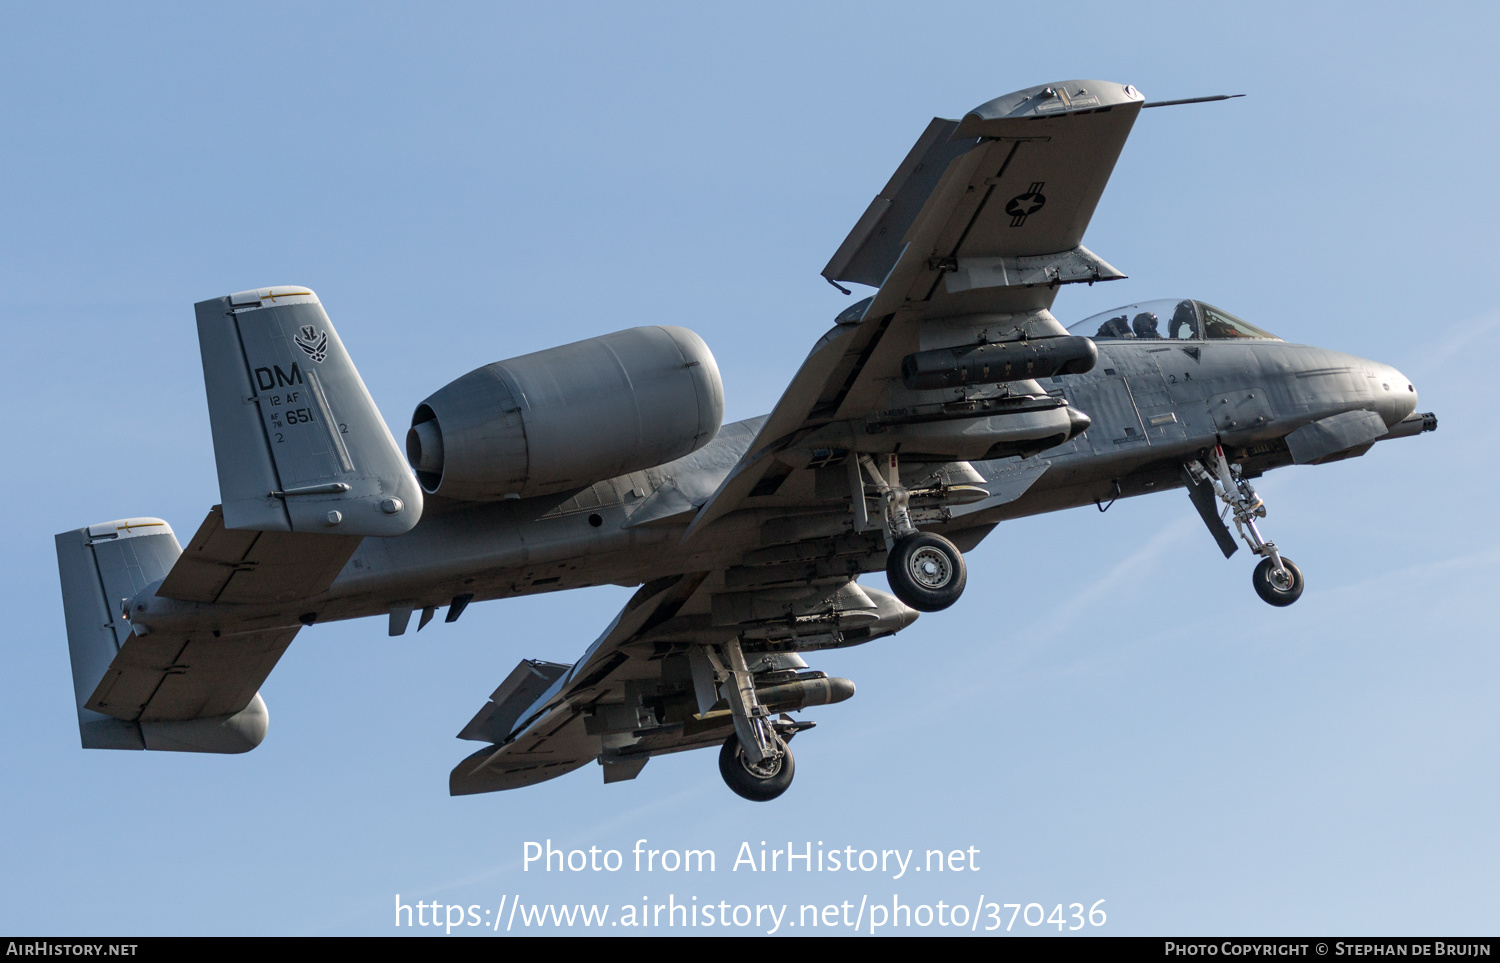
[[1168, 319]]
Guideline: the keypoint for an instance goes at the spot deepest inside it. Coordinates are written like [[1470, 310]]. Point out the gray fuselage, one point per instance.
[[1153, 405]]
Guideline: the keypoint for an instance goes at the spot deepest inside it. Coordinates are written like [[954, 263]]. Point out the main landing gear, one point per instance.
[[1277, 581], [926, 571], [755, 761]]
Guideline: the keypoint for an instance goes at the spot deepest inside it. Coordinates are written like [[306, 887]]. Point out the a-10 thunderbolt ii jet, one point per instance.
[[948, 402]]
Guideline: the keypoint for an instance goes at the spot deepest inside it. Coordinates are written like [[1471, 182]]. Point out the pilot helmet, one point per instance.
[[1145, 325], [1184, 321]]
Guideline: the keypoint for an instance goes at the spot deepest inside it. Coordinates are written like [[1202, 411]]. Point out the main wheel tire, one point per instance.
[[926, 571], [760, 783], [1277, 591]]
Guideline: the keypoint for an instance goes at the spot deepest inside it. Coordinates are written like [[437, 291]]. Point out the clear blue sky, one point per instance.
[[1109, 713]]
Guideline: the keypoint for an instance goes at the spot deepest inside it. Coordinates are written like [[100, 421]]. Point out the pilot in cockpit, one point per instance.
[[1115, 328], [1184, 321], [1145, 325]]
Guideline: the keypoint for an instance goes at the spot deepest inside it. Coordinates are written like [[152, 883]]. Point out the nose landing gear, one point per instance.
[[1277, 581]]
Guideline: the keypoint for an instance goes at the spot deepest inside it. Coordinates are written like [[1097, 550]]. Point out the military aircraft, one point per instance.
[[949, 401]]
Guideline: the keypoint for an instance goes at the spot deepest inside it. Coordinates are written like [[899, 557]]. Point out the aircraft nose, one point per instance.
[[1395, 394]]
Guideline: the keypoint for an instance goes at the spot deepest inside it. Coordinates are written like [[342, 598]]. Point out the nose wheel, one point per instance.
[[1278, 587], [1277, 581]]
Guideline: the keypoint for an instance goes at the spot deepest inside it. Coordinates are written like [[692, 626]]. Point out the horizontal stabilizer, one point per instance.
[[227, 565], [299, 443], [164, 677]]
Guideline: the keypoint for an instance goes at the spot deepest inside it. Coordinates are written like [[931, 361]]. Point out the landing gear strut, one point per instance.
[[1277, 581], [926, 571], [755, 761]]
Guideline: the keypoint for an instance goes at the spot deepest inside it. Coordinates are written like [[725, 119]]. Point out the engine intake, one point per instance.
[[566, 417]]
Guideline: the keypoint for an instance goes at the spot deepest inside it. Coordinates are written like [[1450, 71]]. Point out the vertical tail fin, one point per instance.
[[102, 567], [299, 443]]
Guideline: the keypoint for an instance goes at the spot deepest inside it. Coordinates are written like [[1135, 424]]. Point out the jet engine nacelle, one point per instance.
[[566, 417]]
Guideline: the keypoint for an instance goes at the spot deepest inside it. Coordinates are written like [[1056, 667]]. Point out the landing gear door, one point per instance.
[[1207, 504]]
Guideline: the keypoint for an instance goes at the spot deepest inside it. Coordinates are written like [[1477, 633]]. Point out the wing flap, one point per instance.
[[815, 385], [515, 695], [645, 688]]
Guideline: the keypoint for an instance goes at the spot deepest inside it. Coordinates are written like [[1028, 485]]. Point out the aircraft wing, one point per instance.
[[539, 719], [982, 221], [646, 686]]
